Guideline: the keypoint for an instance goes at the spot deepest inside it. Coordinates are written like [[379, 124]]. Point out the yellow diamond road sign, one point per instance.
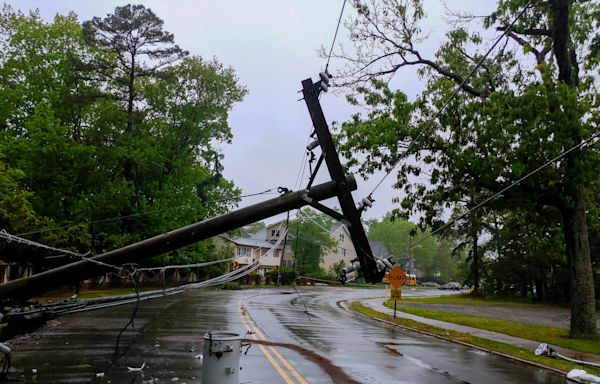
[[396, 277]]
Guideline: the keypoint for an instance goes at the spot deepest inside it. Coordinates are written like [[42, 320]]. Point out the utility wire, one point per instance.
[[300, 175], [335, 36], [133, 312], [196, 265], [515, 183], [12, 238], [453, 95], [268, 191]]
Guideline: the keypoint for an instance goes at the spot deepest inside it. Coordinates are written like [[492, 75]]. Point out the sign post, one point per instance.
[[396, 277]]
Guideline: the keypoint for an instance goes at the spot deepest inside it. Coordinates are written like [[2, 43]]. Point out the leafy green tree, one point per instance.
[[530, 257], [310, 240], [253, 228], [432, 255], [335, 271], [507, 120], [91, 183], [131, 33], [16, 212], [38, 65]]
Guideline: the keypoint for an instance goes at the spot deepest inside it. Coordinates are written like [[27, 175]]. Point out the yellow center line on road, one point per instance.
[[275, 365], [283, 360], [258, 335]]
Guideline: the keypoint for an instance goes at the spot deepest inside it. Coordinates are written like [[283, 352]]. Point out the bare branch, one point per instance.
[[540, 56]]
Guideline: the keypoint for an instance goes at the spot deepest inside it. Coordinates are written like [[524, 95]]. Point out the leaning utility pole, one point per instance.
[[371, 270], [157, 245]]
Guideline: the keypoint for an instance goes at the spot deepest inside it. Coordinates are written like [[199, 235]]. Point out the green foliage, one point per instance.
[[74, 169], [433, 255], [288, 276], [502, 128], [253, 228], [16, 212], [335, 271], [309, 238]]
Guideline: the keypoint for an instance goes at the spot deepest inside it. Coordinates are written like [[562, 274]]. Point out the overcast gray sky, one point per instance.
[[272, 45]]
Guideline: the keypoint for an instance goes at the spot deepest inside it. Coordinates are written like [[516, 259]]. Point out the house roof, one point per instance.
[[379, 250], [257, 239], [252, 242], [335, 226], [260, 235]]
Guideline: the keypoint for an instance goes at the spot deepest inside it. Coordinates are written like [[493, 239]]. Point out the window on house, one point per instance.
[[274, 233], [342, 237], [242, 251]]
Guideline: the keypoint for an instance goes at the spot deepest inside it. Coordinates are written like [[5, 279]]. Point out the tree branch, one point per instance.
[[528, 31]]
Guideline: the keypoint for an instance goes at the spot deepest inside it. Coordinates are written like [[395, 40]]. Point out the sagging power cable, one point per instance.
[[134, 311], [13, 238], [335, 36]]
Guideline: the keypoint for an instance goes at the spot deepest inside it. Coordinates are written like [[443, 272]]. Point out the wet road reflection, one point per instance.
[[80, 348], [372, 352]]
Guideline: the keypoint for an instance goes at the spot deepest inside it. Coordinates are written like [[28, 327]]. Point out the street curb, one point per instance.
[[342, 304]]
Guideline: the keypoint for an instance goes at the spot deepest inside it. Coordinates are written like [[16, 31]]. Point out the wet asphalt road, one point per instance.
[[80, 348]]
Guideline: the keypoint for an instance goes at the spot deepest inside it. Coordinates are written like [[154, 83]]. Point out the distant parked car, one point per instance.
[[453, 285], [432, 284]]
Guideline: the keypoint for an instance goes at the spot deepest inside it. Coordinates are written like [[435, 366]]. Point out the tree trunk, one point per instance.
[[475, 263], [130, 94], [583, 319]]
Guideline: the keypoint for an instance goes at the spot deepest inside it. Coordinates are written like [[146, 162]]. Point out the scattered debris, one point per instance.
[[34, 371], [134, 369], [100, 374], [581, 376]]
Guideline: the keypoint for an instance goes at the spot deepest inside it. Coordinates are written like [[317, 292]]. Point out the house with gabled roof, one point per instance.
[[343, 250], [252, 247]]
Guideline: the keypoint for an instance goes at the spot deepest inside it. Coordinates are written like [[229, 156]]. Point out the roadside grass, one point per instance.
[[468, 299], [557, 336], [366, 285], [486, 344]]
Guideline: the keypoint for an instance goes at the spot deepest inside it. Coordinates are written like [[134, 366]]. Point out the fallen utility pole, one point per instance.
[[27, 287]]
